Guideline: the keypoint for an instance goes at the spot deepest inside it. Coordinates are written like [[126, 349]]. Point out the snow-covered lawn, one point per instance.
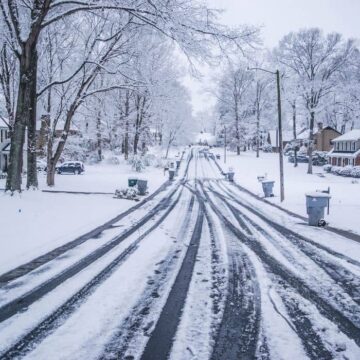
[[345, 192], [36, 222]]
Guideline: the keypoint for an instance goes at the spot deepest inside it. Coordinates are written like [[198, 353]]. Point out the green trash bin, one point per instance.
[[132, 182]]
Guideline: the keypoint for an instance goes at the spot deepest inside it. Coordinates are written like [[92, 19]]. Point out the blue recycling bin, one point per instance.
[[177, 164], [230, 176], [171, 174], [142, 186], [315, 207], [268, 186]]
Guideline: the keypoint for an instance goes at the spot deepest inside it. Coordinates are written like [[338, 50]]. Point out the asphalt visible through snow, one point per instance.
[[205, 271]]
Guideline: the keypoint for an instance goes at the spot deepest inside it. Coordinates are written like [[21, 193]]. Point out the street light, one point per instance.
[[281, 156]]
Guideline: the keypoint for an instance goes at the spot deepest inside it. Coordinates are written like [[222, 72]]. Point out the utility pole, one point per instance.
[[281, 155]]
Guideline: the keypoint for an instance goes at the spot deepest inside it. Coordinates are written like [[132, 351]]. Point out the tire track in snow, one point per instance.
[[28, 342], [138, 323], [276, 268], [161, 339], [347, 280]]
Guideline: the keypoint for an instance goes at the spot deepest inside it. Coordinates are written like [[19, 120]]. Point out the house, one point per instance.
[[273, 139], [323, 137], [205, 138], [4, 143], [346, 150]]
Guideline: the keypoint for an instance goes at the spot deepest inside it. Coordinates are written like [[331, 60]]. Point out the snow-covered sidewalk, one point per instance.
[[345, 192]]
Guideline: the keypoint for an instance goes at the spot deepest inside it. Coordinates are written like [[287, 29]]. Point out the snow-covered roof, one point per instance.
[[3, 123], [349, 155], [286, 136], [352, 135]]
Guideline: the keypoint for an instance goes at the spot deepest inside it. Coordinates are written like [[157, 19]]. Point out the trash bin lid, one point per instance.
[[317, 195], [267, 181]]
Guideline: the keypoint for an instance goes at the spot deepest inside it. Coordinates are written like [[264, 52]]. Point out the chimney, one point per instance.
[[320, 126]]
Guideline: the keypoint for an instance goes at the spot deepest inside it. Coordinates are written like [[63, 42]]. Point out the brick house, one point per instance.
[[323, 137], [346, 150]]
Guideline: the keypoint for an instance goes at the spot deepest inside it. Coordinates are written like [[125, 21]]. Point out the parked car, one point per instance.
[[71, 167], [41, 165], [300, 158], [319, 160]]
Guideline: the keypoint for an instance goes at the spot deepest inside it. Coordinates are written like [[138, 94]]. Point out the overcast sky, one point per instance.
[[278, 17]]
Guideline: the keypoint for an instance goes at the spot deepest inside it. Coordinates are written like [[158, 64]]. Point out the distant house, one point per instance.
[[273, 139], [323, 137], [205, 138], [346, 150]]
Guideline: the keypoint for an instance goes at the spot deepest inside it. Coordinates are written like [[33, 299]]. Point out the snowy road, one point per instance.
[[200, 271]]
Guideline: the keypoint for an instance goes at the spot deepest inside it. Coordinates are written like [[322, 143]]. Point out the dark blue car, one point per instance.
[[71, 167]]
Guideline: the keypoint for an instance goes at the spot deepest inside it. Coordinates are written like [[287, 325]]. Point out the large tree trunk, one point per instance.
[[25, 116], [311, 141], [32, 180]]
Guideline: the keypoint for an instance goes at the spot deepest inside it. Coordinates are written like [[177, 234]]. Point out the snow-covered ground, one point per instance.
[[345, 192], [36, 222]]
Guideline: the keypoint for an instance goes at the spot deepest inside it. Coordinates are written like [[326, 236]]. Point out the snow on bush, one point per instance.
[[346, 171], [267, 147], [112, 160], [137, 163], [355, 172], [126, 193], [149, 160]]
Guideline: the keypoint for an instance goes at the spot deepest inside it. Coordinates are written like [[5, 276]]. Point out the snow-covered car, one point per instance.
[[71, 167], [41, 165], [300, 159]]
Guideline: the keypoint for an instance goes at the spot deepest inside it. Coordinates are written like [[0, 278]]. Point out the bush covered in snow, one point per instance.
[[149, 160], [112, 160], [137, 163], [348, 171], [126, 193], [345, 171], [267, 148], [355, 172]]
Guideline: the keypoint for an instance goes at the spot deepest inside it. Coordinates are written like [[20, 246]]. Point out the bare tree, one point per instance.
[[191, 25], [316, 60]]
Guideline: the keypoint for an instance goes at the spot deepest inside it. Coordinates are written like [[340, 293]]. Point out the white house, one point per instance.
[[346, 150]]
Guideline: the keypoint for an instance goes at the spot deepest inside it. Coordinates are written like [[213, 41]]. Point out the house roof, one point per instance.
[[352, 135], [286, 135], [353, 155], [331, 128]]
